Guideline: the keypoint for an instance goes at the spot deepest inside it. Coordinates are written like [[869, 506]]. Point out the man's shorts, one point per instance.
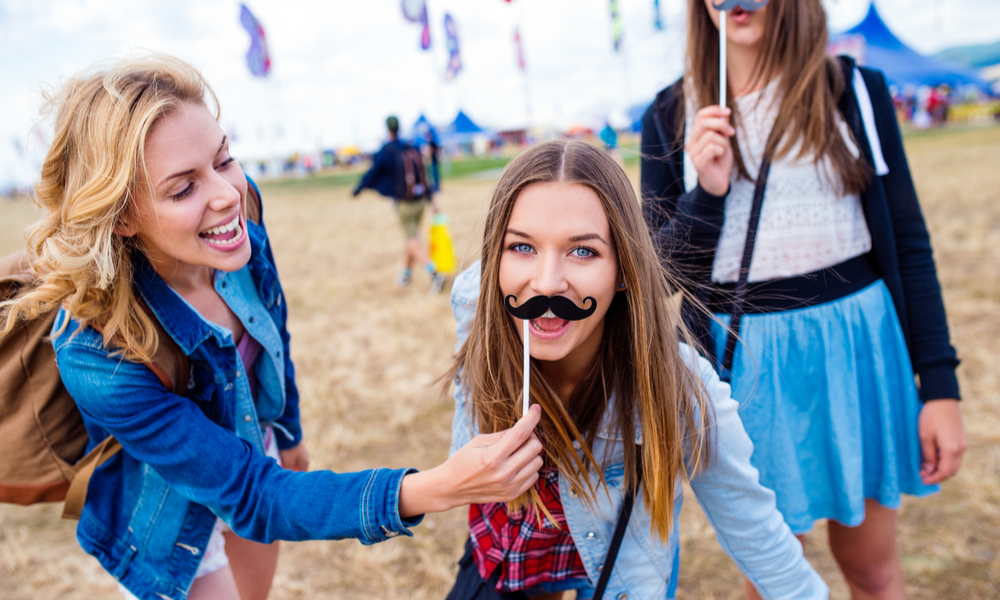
[[409, 216]]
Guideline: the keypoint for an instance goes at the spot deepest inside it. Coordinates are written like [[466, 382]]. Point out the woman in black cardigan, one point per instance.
[[836, 293]]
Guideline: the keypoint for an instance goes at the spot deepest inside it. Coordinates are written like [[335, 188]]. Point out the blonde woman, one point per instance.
[[145, 204], [628, 406]]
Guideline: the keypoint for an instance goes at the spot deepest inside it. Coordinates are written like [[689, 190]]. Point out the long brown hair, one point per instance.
[[793, 46], [638, 376], [88, 180]]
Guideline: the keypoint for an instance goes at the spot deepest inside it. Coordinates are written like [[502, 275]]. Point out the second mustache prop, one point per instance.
[[533, 308]]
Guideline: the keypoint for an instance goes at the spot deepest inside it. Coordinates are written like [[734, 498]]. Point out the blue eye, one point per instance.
[[583, 252], [521, 248]]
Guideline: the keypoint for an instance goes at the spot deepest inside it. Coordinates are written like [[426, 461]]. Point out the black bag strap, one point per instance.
[[619, 534], [741, 285]]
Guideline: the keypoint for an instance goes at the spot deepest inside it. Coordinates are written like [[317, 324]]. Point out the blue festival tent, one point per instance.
[[461, 131], [464, 125], [902, 66], [420, 130]]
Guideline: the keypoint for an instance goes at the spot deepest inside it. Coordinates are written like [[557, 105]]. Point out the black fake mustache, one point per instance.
[[561, 306], [749, 5]]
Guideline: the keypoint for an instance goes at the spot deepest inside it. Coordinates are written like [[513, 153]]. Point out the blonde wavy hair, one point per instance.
[[638, 376], [88, 184]]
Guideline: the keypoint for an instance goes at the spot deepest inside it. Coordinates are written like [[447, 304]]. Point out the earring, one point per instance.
[[622, 286]]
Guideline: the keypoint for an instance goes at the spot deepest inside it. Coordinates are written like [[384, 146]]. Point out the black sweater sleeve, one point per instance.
[[934, 359], [685, 225]]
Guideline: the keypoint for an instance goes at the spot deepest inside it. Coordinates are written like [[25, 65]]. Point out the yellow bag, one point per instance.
[[442, 252]]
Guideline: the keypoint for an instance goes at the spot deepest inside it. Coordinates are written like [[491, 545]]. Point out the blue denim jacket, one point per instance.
[[185, 460], [746, 520]]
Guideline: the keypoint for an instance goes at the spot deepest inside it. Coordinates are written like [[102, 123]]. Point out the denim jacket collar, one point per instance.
[[179, 318]]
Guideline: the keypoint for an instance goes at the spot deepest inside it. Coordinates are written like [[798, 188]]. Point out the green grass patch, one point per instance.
[[449, 170]]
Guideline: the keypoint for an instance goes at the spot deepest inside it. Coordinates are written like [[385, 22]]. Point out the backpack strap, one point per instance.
[[868, 120], [864, 120], [76, 496], [171, 367]]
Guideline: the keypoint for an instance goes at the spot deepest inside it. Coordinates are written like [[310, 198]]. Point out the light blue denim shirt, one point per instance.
[[747, 523]]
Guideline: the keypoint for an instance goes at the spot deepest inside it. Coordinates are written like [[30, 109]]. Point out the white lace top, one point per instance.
[[805, 224]]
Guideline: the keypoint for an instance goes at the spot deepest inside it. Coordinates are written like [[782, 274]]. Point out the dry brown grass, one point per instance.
[[367, 356]]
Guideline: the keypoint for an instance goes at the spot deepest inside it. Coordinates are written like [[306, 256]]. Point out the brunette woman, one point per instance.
[[629, 408], [835, 295]]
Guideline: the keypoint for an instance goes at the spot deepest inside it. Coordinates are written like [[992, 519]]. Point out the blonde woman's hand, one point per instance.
[[709, 148], [496, 467], [295, 459]]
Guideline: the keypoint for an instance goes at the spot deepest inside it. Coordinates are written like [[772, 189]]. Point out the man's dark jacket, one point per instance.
[[386, 175], [686, 226]]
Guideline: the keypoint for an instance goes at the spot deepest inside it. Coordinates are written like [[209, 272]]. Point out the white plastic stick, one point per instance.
[[527, 370], [722, 58]]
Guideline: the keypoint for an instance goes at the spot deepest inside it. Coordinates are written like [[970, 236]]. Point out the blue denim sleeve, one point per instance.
[[743, 513], [464, 297], [209, 465]]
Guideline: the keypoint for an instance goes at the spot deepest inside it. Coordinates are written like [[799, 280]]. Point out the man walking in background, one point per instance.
[[398, 172]]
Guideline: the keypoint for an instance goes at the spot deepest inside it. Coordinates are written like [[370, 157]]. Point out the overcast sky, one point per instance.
[[339, 66]]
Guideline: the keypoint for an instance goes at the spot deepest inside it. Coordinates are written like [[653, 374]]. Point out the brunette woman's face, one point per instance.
[[743, 28], [192, 217], [558, 243]]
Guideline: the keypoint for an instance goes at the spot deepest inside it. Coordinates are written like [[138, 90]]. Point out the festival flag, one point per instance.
[[415, 11], [657, 16], [520, 50], [616, 25], [258, 59], [451, 39]]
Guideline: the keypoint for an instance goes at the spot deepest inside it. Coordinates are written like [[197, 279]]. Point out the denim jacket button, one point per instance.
[[247, 418], [591, 535], [622, 597], [573, 493], [388, 533], [228, 387]]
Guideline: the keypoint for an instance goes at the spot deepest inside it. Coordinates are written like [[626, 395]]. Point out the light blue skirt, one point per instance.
[[828, 397]]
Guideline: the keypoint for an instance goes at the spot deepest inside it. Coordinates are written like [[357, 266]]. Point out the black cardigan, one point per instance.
[[686, 226]]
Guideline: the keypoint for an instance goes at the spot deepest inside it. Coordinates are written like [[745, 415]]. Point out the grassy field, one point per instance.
[[368, 354]]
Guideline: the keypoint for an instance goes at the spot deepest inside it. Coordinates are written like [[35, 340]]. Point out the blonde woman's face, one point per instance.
[[558, 243], [192, 218]]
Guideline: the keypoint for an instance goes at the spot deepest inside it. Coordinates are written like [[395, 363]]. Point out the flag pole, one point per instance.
[[524, 67]]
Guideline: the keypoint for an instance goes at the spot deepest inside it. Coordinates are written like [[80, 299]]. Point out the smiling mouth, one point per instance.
[[224, 235], [548, 323]]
